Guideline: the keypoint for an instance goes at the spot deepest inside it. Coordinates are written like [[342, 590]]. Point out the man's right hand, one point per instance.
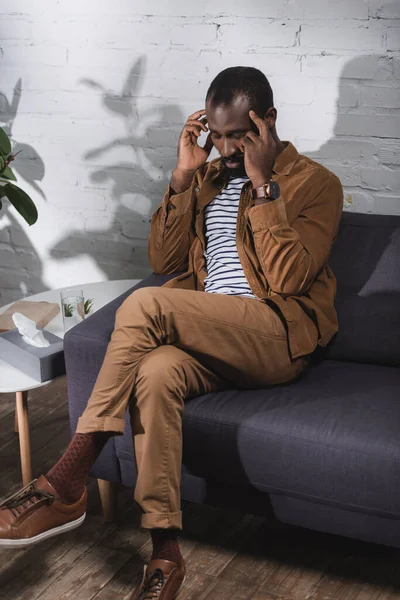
[[191, 156]]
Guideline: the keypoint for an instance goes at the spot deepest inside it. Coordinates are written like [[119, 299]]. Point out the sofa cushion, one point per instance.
[[331, 437], [366, 262]]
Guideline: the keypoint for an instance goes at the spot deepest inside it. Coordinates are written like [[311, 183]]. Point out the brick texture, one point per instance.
[[95, 94]]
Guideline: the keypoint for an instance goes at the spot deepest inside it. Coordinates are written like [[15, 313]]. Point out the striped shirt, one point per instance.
[[224, 270]]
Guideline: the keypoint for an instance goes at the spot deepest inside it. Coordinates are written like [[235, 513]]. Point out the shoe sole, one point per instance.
[[42, 536]]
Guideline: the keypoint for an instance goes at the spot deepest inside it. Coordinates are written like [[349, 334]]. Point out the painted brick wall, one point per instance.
[[96, 92]]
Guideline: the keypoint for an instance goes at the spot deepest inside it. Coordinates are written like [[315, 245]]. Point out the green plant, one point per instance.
[[88, 305], [18, 198], [68, 310]]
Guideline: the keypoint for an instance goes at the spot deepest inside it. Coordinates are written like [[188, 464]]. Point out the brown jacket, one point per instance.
[[283, 245]]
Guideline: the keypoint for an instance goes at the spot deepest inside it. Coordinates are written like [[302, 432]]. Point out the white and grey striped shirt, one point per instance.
[[224, 270]]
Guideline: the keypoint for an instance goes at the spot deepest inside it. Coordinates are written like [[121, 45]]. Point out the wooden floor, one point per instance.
[[229, 555]]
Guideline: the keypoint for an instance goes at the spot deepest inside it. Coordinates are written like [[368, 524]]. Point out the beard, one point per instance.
[[237, 161]]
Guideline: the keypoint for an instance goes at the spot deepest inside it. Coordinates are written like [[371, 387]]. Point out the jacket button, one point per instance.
[[197, 189]]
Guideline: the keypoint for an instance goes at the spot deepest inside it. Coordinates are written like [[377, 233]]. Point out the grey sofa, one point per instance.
[[322, 452]]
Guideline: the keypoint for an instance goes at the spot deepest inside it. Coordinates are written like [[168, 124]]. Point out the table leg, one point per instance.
[[24, 437], [108, 499], [16, 420]]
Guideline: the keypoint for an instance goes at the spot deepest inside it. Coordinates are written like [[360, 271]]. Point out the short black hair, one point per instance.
[[246, 81]]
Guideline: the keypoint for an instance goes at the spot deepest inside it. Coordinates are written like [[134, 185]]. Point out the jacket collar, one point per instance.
[[286, 160]]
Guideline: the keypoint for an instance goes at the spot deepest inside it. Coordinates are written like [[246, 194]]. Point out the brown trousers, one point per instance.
[[169, 345]]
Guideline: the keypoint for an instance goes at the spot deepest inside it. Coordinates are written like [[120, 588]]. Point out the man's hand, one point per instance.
[[191, 156], [259, 152]]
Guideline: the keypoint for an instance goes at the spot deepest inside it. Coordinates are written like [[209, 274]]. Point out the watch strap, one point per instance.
[[261, 192]]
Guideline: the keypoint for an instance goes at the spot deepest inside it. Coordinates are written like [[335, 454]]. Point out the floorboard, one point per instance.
[[229, 555]]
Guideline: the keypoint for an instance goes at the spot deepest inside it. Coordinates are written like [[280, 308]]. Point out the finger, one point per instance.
[[260, 123], [247, 141], [197, 114], [208, 146], [193, 129], [189, 137], [193, 138], [197, 124], [252, 136]]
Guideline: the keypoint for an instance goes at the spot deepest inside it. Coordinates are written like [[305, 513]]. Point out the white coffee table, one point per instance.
[[15, 381]]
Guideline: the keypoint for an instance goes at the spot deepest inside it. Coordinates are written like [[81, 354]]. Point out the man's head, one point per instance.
[[230, 96]]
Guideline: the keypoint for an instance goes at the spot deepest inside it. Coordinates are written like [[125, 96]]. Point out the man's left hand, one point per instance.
[[259, 152]]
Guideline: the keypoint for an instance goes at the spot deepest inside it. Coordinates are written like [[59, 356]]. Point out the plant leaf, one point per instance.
[[22, 203], [5, 143], [88, 305], [68, 310], [8, 174]]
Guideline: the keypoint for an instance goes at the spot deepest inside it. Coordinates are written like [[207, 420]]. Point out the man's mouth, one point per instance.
[[233, 162]]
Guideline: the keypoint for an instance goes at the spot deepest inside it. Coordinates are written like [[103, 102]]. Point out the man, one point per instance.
[[252, 232]]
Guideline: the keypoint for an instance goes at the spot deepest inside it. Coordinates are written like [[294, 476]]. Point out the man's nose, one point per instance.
[[229, 147]]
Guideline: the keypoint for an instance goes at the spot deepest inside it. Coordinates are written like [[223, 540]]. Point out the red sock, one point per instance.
[[69, 475], [166, 545]]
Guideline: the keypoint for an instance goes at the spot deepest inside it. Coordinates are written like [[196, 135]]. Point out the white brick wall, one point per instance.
[[102, 90]]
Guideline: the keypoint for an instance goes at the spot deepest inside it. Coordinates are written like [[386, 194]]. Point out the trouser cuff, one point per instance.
[[91, 425], [161, 520]]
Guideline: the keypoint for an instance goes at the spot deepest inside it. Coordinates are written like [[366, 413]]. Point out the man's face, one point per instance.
[[228, 124]]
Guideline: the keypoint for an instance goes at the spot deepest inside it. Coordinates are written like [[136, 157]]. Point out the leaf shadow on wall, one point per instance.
[[365, 144], [20, 266], [137, 183]]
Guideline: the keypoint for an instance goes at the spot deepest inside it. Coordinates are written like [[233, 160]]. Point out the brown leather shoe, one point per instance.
[[162, 580], [35, 513]]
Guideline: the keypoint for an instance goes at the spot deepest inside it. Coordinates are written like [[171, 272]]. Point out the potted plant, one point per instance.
[[18, 198]]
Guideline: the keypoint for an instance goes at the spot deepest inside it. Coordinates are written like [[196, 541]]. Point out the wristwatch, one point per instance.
[[269, 191]]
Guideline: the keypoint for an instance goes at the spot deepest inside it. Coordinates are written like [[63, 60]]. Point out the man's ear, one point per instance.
[[270, 117]]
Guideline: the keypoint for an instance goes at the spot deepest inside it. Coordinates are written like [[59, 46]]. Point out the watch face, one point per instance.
[[274, 190]]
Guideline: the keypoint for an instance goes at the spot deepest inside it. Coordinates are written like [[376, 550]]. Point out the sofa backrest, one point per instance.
[[366, 262]]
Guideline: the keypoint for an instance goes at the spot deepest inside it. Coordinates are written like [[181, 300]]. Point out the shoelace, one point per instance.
[[153, 586], [24, 498]]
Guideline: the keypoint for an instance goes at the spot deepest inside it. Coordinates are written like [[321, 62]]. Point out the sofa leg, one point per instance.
[[107, 492]]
